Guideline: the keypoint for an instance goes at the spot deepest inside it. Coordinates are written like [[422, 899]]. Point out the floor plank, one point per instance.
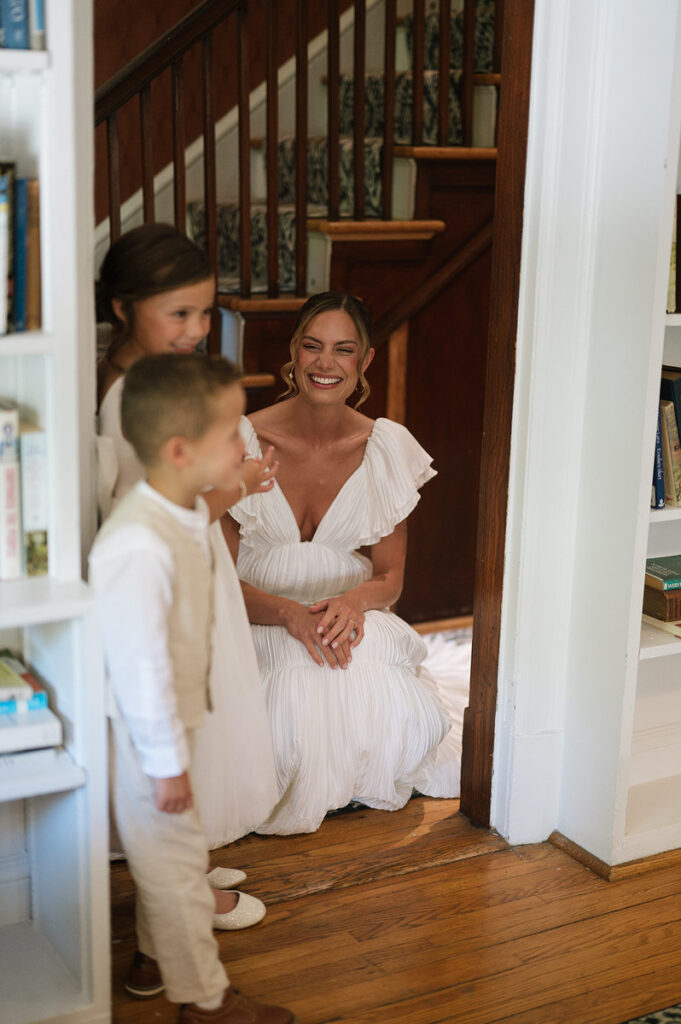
[[416, 917]]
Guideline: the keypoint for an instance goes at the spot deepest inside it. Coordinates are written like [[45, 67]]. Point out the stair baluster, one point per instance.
[[114, 161], [147, 155], [443, 81], [388, 108], [358, 105], [333, 109], [468, 71], [271, 151], [301, 146], [243, 101], [418, 64], [209, 171], [179, 186]]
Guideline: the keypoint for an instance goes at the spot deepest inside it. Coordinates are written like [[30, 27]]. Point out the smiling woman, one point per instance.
[[353, 714]]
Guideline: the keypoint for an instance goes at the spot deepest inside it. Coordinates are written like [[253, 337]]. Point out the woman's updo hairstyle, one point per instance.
[[145, 261], [325, 302]]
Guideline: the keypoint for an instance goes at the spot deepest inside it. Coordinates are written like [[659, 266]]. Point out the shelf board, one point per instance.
[[34, 981], [664, 515], [27, 602], [26, 343], [12, 61], [38, 772], [672, 320], [656, 643]]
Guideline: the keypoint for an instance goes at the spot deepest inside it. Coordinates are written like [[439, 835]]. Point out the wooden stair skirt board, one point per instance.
[[613, 872], [377, 230]]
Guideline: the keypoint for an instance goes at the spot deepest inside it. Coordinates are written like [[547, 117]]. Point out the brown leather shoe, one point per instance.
[[143, 979], [236, 1009]]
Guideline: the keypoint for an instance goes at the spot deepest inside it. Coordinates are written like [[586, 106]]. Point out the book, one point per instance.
[[669, 627], [663, 573], [671, 290], [662, 604], [657, 492], [670, 389], [671, 453], [10, 494], [35, 512], [15, 24], [36, 24], [34, 695], [4, 253], [19, 241], [12, 684], [29, 730], [32, 312], [8, 171]]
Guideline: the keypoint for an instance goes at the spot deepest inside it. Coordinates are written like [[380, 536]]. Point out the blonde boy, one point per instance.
[[151, 572]]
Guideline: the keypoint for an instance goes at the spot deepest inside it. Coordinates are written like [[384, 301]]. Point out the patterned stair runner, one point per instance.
[[228, 216]]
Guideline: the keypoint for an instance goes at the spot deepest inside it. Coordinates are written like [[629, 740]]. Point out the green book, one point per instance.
[[664, 573]]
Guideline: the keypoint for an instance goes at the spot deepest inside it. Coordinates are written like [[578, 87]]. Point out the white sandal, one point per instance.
[[248, 911], [225, 878]]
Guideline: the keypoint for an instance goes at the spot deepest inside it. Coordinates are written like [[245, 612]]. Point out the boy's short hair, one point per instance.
[[168, 396]]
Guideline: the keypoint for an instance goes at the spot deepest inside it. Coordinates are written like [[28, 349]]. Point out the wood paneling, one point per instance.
[[417, 917], [478, 745]]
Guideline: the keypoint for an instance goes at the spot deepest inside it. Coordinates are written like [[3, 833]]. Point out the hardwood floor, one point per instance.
[[417, 917]]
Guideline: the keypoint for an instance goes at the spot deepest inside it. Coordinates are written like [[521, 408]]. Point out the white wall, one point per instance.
[[588, 308]]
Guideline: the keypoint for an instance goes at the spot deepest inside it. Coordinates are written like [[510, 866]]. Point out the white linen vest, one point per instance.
[[191, 611]]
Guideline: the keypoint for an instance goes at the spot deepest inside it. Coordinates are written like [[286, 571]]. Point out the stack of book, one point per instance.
[[22, 24], [662, 593], [20, 292], [24, 507], [26, 722]]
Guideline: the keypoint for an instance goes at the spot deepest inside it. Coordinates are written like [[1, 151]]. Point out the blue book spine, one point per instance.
[[20, 236], [38, 700], [15, 24], [658, 470]]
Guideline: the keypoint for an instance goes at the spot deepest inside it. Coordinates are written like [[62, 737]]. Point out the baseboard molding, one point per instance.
[[614, 872]]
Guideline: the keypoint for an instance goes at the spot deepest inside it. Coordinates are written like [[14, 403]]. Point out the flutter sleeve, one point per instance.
[[396, 469], [247, 511]]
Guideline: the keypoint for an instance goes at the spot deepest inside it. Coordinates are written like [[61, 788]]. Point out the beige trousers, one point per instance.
[[168, 858]]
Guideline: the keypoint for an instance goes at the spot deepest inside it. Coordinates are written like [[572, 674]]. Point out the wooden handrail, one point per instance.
[[156, 58], [416, 300]]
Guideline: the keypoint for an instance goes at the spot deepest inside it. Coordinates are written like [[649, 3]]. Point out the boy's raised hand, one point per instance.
[[174, 795], [259, 474]]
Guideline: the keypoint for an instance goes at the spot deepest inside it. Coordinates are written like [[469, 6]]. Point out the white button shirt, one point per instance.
[[131, 573]]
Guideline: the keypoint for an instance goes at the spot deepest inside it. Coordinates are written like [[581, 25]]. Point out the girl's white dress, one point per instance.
[[374, 731], [234, 778]]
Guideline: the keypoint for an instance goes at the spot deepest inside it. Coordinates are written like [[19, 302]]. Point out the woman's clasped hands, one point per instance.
[[329, 629]]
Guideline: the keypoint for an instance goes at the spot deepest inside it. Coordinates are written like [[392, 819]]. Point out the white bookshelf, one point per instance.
[[652, 817], [54, 917]]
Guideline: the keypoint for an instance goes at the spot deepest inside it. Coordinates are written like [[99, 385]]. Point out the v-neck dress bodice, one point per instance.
[[373, 731]]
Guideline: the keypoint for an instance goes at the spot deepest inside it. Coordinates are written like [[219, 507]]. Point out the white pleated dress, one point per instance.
[[374, 731], [233, 774]]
